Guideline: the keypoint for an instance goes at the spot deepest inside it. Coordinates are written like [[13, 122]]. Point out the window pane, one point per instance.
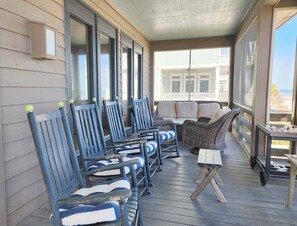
[[248, 65], [105, 66], [212, 67], [126, 53], [200, 79], [80, 61], [189, 86], [175, 87], [171, 73], [204, 86], [237, 72], [283, 70], [137, 72]]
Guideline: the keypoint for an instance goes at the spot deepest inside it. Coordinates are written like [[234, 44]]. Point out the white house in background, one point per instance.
[[192, 74]]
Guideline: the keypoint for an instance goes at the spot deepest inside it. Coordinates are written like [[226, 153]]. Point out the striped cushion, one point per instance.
[[151, 146], [113, 172], [91, 214], [88, 214], [166, 135]]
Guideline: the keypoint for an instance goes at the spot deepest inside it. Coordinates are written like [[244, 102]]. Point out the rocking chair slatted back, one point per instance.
[[115, 119], [89, 131], [142, 114], [56, 153]]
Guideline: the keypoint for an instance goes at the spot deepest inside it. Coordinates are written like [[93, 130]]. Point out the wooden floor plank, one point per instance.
[[249, 203]]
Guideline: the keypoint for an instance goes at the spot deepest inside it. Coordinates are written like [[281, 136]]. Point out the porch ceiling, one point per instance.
[[183, 19]]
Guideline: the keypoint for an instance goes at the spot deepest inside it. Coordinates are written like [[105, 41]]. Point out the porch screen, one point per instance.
[[199, 74]]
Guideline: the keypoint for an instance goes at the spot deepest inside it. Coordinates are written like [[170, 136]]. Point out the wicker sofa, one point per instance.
[[179, 111]]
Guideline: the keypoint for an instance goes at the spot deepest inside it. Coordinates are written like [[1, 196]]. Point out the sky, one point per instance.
[[284, 55]]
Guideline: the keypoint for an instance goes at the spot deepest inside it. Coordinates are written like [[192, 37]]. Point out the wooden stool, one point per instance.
[[210, 162], [293, 172]]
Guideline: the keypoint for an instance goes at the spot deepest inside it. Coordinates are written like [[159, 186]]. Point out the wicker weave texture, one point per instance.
[[210, 135]]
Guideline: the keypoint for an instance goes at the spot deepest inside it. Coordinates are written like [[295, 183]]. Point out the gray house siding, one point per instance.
[[43, 83], [24, 80]]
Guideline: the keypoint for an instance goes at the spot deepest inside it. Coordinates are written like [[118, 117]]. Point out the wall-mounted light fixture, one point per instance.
[[43, 40]]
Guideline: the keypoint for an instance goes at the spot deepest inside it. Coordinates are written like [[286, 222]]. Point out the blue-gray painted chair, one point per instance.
[[118, 135], [92, 146], [145, 125], [71, 201]]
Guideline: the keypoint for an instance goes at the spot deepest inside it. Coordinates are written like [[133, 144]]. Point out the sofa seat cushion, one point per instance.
[[186, 109], [208, 110], [166, 109], [219, 114]]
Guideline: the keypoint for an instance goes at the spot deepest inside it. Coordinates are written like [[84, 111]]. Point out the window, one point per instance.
[[136, 75], [245, 67], [190, 84], [79, 50], [126, 77], [283, 69], [105, 66], [91, 62], [201, 71], [175, 84], [204, 83], [80, 61], [91, 50], [107, 61], [137, 78], [244, 73]]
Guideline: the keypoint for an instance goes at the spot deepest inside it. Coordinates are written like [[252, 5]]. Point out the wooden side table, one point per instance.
[[210, 162], [293, 160]]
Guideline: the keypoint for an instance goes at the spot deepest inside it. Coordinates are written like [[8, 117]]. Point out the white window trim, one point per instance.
[[185, 80], [203, 79], [175, 79]]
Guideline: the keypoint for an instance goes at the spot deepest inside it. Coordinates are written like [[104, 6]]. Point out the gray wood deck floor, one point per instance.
[[248, 202]]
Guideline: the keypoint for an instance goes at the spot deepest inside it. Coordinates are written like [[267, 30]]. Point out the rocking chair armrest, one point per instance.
[[149, 130], [113, 156], [117, 195], [110, 167], [134, 139], [126, 142]]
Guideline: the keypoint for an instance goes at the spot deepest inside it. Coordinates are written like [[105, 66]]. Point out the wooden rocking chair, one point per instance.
[[118, 135], [92, 146], [145, 126], [71, 201]]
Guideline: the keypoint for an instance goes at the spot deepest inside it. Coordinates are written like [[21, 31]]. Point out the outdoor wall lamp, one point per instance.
[[43, 40]]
